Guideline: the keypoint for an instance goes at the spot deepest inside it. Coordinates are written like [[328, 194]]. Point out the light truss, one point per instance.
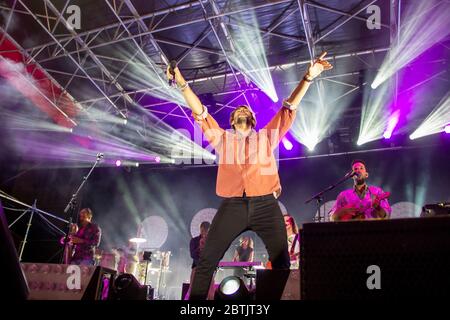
[[77, 46]]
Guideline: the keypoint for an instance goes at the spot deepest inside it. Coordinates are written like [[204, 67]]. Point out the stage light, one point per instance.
[[144, 72], [249, 55], [447, 128], [158, 159], [125, 121], [138, 240], [437, 121], [311, 143], [287, 144], [232, 288], [392, 122], [118, 163], [137, 164], [319, 111], [127, 287], [376, 119], [413, 38]]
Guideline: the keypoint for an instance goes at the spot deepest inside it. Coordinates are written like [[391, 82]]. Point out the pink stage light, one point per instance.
[[392, 122], [118, 163]]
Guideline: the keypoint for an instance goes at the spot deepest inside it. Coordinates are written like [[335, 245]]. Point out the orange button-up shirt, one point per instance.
[[247, 163]]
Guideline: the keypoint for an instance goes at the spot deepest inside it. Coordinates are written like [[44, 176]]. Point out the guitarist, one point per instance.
[[362, 201]]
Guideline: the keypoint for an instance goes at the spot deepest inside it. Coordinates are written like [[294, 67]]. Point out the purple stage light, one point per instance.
[[118, 163], [158, 159], [287, 144], [392, 122]]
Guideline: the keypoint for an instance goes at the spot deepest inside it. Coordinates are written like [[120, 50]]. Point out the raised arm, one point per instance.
[[191, 98], [315, 69], [208, 124], [280, 124]]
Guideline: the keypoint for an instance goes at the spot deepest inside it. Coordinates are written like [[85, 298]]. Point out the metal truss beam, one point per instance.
[[343, 13], [271, 68], [72, 58], [121, 39], [266, 32], [352, 16], [188, 5], [220, 42], [54, 101], [162, 55], [91, 54]]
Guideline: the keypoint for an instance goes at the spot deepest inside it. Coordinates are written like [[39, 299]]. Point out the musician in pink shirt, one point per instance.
[[362, 201]]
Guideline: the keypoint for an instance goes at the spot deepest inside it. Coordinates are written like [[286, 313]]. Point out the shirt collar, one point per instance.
[[241, 136], [363, 189]]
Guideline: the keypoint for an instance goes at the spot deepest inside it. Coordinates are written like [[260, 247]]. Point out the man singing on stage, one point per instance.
[[247, 177], [362, 201]]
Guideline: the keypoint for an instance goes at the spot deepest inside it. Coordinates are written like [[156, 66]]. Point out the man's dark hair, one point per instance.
[[358, 161], [205, 225]]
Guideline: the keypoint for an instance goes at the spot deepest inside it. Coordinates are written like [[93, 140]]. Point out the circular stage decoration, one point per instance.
[[405, 209], [155, 230], [206, 214], [325, 210]]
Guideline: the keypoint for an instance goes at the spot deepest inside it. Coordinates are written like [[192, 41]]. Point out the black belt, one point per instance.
[[269, 196]]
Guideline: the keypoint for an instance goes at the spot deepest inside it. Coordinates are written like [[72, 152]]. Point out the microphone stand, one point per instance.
[[70, 208], [319, 196]]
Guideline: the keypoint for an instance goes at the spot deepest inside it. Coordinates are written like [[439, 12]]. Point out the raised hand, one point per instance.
[[178, 77], [319, 65]]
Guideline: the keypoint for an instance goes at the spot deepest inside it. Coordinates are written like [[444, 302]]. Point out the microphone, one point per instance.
[[351, 174], [172, 66], [100, 156]]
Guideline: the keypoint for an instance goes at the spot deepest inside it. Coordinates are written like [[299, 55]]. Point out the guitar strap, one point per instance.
[[294, 243]]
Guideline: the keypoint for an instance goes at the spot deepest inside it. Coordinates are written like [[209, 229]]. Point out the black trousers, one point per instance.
[[235, 215]]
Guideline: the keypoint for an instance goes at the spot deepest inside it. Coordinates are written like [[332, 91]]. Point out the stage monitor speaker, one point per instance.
[[13, 280], [127, 287], [277, 285], [57, 282], [379, 259]]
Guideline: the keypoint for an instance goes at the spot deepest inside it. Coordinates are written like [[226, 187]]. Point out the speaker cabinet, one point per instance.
[[13, 281], [377, 259]]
